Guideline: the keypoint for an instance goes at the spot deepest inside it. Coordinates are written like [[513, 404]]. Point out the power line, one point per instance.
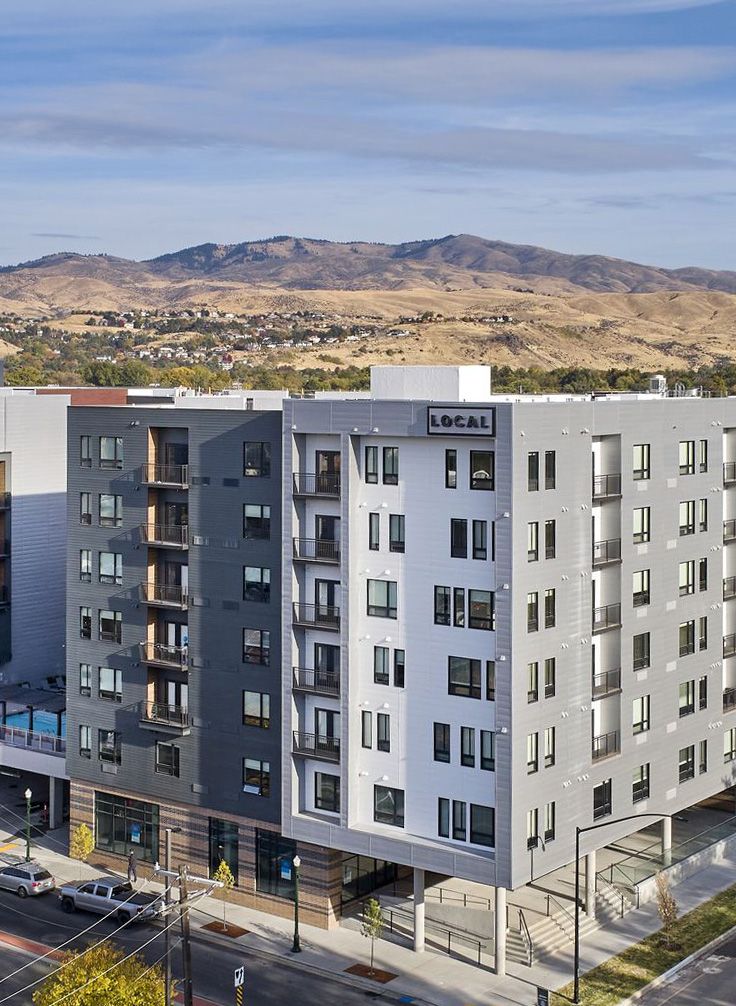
[[34, 827], [158, 961]]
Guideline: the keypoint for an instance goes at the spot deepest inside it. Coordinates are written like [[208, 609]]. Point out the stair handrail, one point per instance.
[[526, 937], [602, 885], [566, 912]]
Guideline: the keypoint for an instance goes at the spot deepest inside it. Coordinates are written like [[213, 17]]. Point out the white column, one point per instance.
[[56, 802], [418, 910], [590, 884], [667, 840], [500, 930]]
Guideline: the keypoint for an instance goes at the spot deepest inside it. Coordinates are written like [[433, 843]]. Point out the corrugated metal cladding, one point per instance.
[[211, 756]]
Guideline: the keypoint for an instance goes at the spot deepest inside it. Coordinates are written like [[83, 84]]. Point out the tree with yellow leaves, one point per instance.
[[100, 977]]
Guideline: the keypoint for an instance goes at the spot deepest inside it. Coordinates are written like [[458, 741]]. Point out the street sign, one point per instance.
[[239, 996], [239, 977], [542, 996]]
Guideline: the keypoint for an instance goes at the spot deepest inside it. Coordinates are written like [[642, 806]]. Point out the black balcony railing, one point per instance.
[[729, 472], [606, 551], [166, 475], [316, 550], [606, 617], [165, 594], [308, 484], [170, 716], [315, 681], [606, 683], [169, 535], [729, 700], [605, 745], [729, 530], [317, 746], [729, 644], [605, 486], [165, 654], [322, 616], [729, 587]]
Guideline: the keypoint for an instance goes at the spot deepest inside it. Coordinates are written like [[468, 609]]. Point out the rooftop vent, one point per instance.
[[657, 384]]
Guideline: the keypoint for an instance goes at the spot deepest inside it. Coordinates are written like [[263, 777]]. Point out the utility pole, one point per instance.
[[186, 946], [167, 931]]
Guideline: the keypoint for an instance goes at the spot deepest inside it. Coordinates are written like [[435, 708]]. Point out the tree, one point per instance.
[[223, 874], [81, 843], [372, 924], [130, 983], [666, 905]]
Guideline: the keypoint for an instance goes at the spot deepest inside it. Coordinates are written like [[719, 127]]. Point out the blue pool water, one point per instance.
[[43, 722]]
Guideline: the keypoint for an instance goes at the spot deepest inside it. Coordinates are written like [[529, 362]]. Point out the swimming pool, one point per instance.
[[43, 722]]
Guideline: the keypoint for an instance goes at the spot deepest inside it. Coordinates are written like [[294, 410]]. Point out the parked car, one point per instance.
[[105, 894], [26, 878]]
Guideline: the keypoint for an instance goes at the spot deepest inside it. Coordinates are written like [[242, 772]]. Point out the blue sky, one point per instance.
[[136, 128]]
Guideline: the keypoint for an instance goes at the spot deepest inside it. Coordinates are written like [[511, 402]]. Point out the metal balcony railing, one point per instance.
[[167, 535], [32, 741], [606, 745], [164, 594], [729, 530], [729, 644], [729, 699], [606, 551], [606, 486], [729, 472], [166, 715], [165, 654], [309, 484], [729, 587], [316, 550], [317, 746], [317, 682], [606, 683], [166, 475], [322, 616], [606, 617]]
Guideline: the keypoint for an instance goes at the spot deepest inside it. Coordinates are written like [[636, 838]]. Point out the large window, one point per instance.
[[640, 783], [390, 466], [85, 565], [687, 457], [256, 646], [122, 824], [167, 759], [532, 753], [550, 469], [550, 608], [111, 684], [640, 588], [480, 539], [396, 532], [388, 806], [85, 679], [442, 742], [256, 459], [641, 467], [223, 843], [85, 452], [686, 637], [532, 471], [399, 668], [256, 520], [383, 732], [275, 864], [532, 611], [686, 763], [374, 531], [729, 745], [111, 452], [481, 611], [111, 567], [686, 698], [442, 611], [642, 524], [111, 510], [257, 709], [488, 750], [450, 469], [640, 721], [467, 747], [687, 577], [85, 508], [459, 820], [687, 517], [482, 470], [463, 677], [482, 825], [256, 777], [257, 584], [371, 465], [641, 651], [85, 741], [327, 792], [110, 626], [381, 660], [382, 598], [85, 623], [108, 746], [532, 541], [458, 538], [602, 800]]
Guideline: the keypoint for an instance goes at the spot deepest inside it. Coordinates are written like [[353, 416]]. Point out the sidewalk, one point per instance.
[[430, 977]]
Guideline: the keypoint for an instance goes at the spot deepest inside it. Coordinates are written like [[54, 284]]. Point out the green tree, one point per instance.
[[134, 374], [223, 874], [81, 843], [129, 983], [372, 924], [24, 375]]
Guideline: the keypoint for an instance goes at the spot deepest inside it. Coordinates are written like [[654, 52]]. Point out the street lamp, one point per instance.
[[296, 946], [578, 833], [28, 796]]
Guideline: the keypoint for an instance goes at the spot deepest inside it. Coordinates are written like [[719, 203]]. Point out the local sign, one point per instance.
[[461, 422], [239, 977]]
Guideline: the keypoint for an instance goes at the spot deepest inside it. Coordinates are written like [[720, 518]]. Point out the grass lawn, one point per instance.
[[622, 975]]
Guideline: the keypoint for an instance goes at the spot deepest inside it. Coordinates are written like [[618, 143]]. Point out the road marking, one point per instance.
[[10, 845], [30, 946]]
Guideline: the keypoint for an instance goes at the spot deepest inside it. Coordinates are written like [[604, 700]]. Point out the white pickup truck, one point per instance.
[[106, 894]]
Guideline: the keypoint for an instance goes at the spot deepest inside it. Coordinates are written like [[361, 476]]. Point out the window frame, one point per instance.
[[398, 816], [390, 457], [470, 688], [450, 468], [396, 532], [442, 742], [256, 779], [458, 538], [261, 719], [389, 607], [259, 466], [370, 464], [261, 650], [482, 471]]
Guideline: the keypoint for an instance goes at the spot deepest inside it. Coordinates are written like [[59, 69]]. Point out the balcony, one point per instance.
[[316, 550], [607, 617], [729, 588], [729, 700], [317, 616], [166, 535], [163, 595], [729, 531], [171, 476], [729, 645], [46, 743], [605, 552], [606, 487], [316, 746], [5, 501], [606, 745], [159, 716], [164, 655], [307, 484], [607, 683], [729, 473], [315, 682]]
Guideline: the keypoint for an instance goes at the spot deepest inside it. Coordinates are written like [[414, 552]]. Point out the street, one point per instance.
[[710, 979]]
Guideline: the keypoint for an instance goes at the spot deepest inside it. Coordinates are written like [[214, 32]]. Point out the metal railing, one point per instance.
[[729, 472], [176, 535], [729, 530], [606, 551], [33, 741], [729, 699], [323, 616], [527, 938], [309, 484], [608, 616], [563, 915], [316, 746], [606, 683], [729, 587], [164, 593], [606, 485], [319, 682], [400, 921], [164, 653], [729, 644], [166, 475], [316, 550], [606, 745], [160, 712], [602, 886]]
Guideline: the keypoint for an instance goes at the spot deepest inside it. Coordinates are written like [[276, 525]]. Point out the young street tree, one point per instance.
[[666, 905], [130, 983], [81, 843], [372, 924], [224, 875]]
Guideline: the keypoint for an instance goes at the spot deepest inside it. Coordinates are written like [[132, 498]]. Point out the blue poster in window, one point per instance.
[[285, 869], [135, 833]]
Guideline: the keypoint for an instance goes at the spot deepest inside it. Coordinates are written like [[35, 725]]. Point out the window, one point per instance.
[[687, 457], [703, 632], [532, 471], [702, 455], [482, 470], [256, 777], [374, 531], [380, 665], [274, 858], [687, 517], [111, 567], [641, 525], [111, 452], [396, 542], [702, 574], [110, 510], [458, 604], [467, 747], [257, 709], [550, 822], [532, 611], [256, 459], [641, 654], [257, 584], [641, 469], [223, 845], [686, 763], [687, 577], [602, 803], [532, 828], [85, 452], [85, 565], [640, 590], [458, 538], [532, 541], [481, 610], [532, 753], [256, 646], [85, 679], [488, 750], [110, 626], [256, 520], [550, 745], [550, 677], [111, 684], [550, 469], [327, 792], [703, 514], [550, 539], [85, 623], [108, 746], [491, 680], [687, 638], [121, 823], [85, 741], [388, 806], [371, 465], [702, 757], [450, 469], [459, 823], [549, 608], [443, 817], [390, 466], [703, 692], [366, 728], [482, 825], [640, 783], [441, 605], [167, 759], [640, 714], [729, 745], [442, 742], [382, 598], [532, 677], [399, 668], [85, 508], [686, 698], [463, 677], [383, 732], [480, 539]]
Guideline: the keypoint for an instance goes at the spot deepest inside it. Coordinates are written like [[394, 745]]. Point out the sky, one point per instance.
[[590, 126]]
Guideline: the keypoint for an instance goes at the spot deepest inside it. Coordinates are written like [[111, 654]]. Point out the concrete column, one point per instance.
[[418, 911], [500, 930], [590, 884], [56, 802], [666, 841]]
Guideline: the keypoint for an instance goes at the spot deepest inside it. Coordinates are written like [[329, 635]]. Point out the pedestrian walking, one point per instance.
[[132, 872]]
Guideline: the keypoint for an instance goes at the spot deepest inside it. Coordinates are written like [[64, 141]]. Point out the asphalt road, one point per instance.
[[707, 981], [267, 981]]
